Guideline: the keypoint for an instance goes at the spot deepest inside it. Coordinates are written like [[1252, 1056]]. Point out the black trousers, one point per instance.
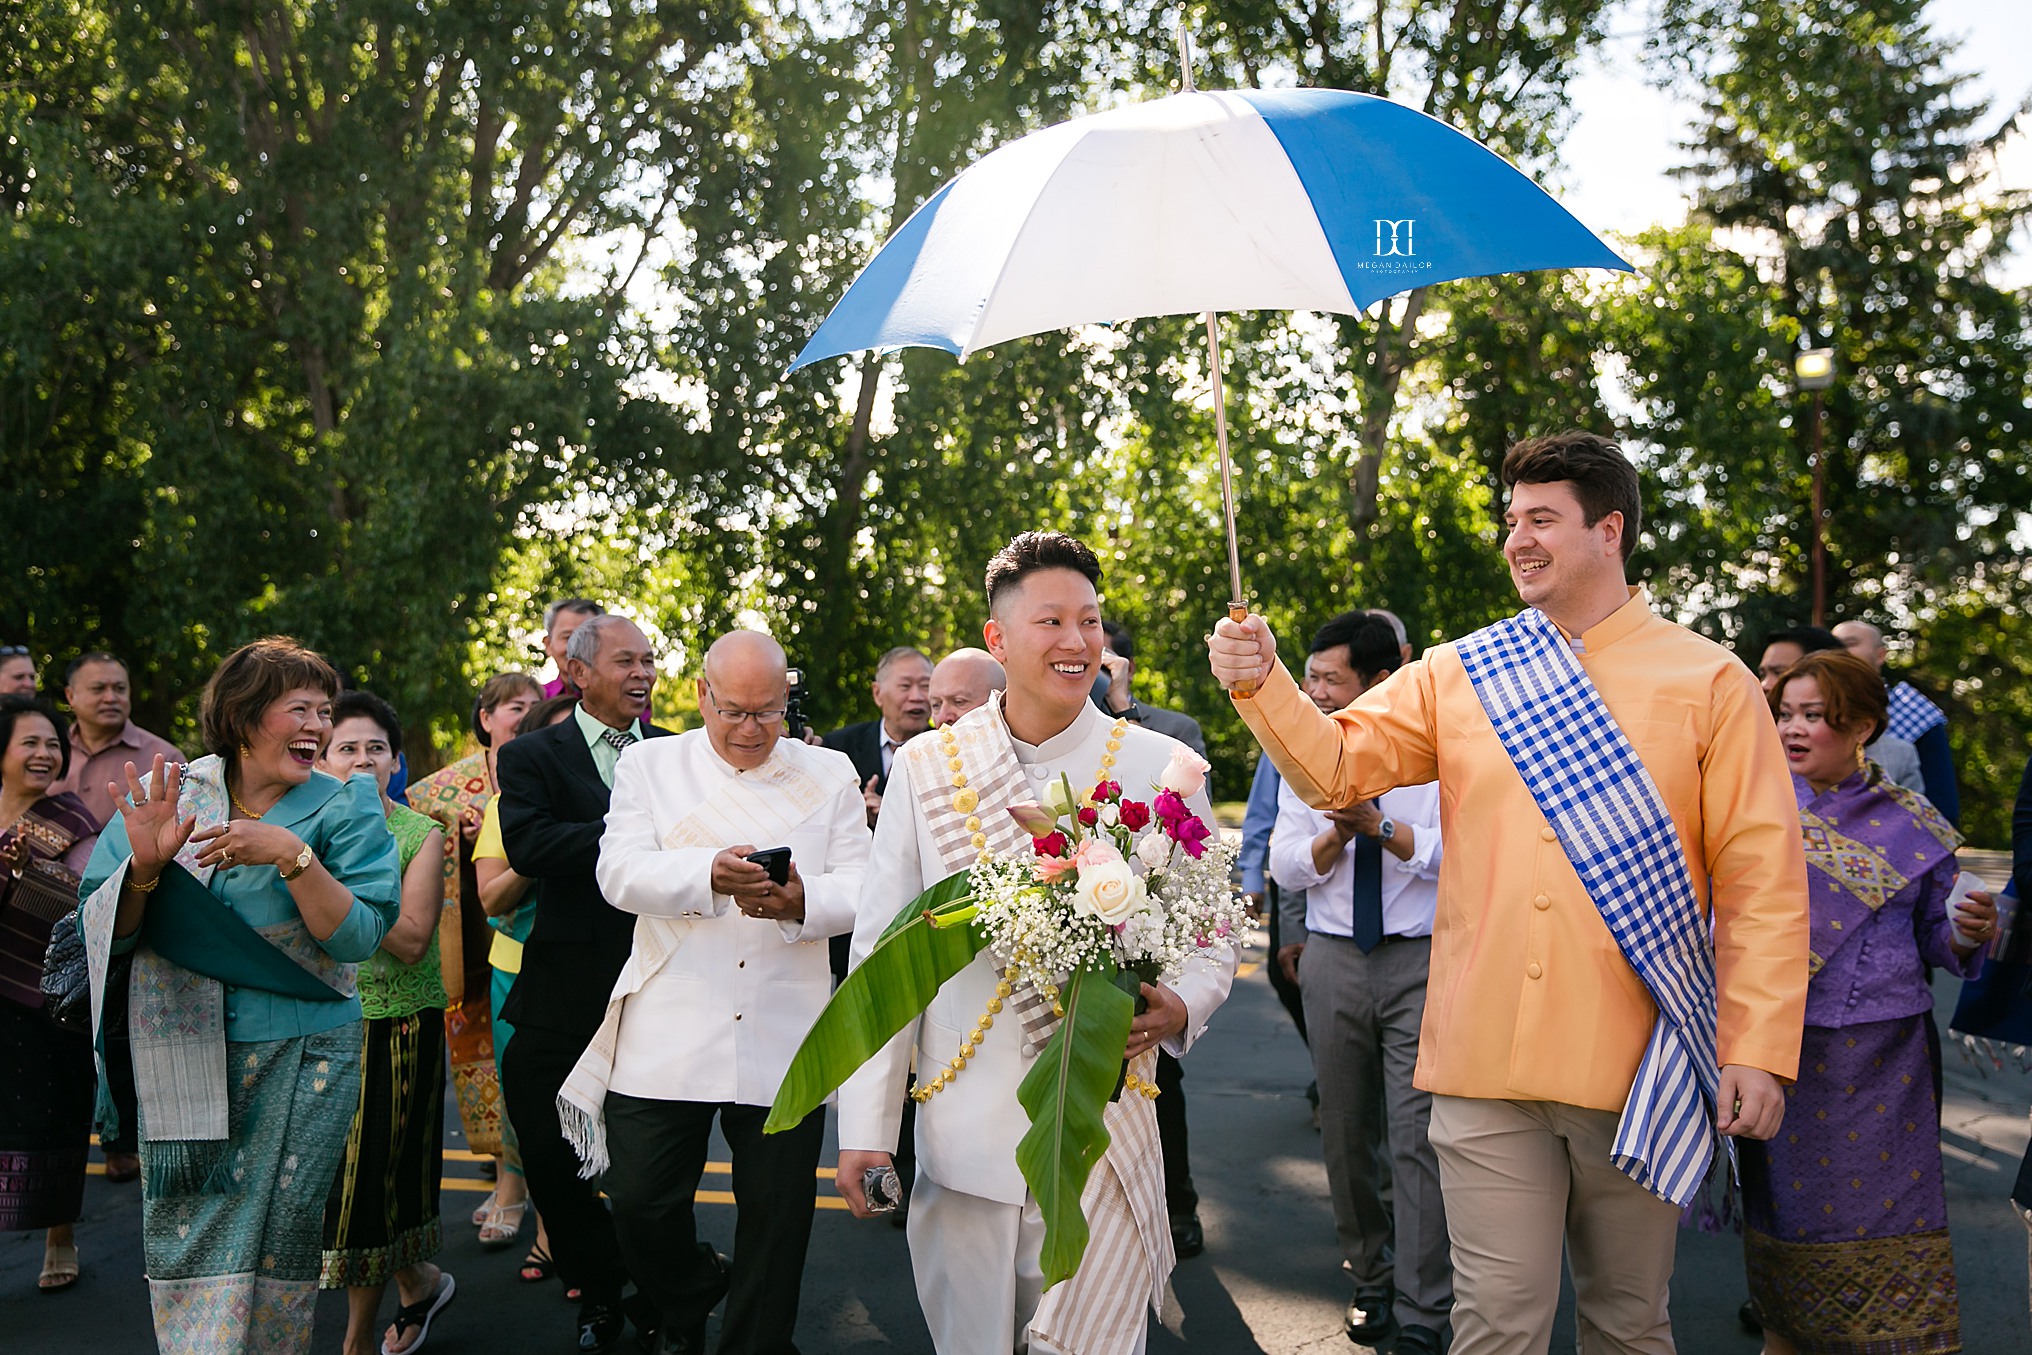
[[581, 1231], [120, 1059], [658, 1150], [1179, 1196], [1287, 992]]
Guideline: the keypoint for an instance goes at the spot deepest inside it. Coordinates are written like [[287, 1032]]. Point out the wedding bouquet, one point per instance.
[[1107, 894], [1109, 883]]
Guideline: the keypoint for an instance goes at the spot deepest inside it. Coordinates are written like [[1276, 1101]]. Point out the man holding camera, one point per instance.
[[739, 851]]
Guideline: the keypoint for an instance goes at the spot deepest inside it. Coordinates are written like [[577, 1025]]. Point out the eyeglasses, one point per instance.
[[741, 717]]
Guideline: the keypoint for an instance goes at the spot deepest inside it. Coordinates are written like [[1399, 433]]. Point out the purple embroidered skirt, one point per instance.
[[1845, 1213]]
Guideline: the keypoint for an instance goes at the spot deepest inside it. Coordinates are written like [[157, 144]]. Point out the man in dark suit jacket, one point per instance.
[[902, 691], [555, 784]]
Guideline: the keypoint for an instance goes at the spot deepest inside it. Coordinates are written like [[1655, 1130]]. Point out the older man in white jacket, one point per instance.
[[728, 973], [975, 1232]]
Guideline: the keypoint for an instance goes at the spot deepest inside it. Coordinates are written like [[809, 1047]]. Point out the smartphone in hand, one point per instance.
[[775, 860]]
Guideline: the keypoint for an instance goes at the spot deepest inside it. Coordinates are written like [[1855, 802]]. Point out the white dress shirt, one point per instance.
[[1410, 886], [721, 1019]]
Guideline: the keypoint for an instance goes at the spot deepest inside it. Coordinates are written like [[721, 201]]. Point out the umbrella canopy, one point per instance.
[[1299, 199]]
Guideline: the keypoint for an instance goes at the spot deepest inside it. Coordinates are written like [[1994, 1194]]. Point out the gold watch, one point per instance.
[[303, 860]]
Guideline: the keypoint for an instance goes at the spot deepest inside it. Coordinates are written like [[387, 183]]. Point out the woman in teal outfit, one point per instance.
[[246, 1023]]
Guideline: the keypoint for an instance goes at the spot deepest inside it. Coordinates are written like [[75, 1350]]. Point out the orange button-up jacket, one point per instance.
[[1529, 996]]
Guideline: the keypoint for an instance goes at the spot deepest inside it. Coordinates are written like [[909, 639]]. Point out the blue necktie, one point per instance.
[[1368, 929]]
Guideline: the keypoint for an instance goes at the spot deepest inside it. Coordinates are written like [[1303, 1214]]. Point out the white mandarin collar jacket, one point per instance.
[[967, 1134], [723, 1017]]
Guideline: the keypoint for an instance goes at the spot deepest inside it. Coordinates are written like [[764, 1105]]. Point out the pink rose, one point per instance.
[[1105, 791], [1170, 807], [1191, 834], [1096, 851], [1185, 773]]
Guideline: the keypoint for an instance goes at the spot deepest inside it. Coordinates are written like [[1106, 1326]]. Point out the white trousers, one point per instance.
[[978, 1272]]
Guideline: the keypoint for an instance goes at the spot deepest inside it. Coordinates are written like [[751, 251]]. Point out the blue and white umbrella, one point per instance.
[[1296, 199]]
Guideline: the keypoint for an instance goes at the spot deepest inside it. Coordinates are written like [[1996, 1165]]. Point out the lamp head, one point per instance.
[[1814, 369]]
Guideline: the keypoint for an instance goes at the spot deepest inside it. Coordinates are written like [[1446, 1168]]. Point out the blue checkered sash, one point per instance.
[[1595, 792]]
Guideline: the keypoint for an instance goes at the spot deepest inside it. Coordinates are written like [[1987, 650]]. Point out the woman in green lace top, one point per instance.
[[381, 1220]]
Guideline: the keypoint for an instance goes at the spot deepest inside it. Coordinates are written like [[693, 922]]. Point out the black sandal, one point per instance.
[[537, 1267], [420, 1313]]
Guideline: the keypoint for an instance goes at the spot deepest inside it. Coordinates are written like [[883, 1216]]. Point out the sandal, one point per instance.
[[419, 1314], [497, 1231], [122, 1167], [538, 1267], [484, 1212], [59, 1268]]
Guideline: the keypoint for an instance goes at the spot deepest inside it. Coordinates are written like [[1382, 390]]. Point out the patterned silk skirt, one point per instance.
[[383, 1211], [237, 1273], [1845, 1211], [46, 1096]]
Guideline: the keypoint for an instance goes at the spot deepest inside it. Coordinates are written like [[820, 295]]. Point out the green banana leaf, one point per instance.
[[1065, 1094], [884, 993]]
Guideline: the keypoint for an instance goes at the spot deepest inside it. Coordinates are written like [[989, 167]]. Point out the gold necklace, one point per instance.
[[966, 800], [242, 808]]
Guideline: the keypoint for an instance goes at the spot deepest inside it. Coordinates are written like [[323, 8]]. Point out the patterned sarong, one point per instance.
[[464, 940], [1596, 793], [237, 1274], [1129, 1256]]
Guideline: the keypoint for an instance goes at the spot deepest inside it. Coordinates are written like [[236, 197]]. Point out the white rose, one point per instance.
[[1110, 816], [1185, 773], [1154, 850], [1110, 892]]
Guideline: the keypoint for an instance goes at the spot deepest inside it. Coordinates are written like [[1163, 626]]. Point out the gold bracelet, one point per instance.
[[141, 888]]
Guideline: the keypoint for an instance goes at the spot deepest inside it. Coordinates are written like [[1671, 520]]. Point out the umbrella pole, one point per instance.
[[1238, 609]]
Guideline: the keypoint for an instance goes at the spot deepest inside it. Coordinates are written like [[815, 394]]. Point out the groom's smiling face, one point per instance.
[[1047, 633]]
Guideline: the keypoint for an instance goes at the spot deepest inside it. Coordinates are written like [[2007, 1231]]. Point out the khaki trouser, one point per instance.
[[1520, 1177]]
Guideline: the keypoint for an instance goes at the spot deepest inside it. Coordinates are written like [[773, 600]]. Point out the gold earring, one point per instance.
[[245, 749], [1861, 761]]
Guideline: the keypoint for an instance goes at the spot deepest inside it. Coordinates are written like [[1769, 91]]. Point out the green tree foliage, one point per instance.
[[288, 341], [1841, 180], [383, 323]]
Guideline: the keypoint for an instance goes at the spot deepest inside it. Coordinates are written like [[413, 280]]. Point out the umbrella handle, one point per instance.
[[1245, 690]]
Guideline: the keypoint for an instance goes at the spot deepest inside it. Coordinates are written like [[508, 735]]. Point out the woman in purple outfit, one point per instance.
[[1845, 1211]]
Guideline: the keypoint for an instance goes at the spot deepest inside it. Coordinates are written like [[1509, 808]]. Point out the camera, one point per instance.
[[793, 705]]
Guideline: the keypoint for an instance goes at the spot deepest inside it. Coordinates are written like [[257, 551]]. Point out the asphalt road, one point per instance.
[[1269, 1282]]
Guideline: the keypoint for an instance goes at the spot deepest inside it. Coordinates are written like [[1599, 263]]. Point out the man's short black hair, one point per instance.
[[1810, 639], [1371, 642], [367, 706], [1602, 477], [1029, 552], [1119, 640], [95, 656]]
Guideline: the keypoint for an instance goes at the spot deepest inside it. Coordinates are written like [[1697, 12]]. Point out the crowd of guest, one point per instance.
[[274, 1066]]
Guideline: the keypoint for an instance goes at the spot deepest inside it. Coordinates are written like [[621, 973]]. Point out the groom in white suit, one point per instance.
[[728, 971], [975, 1231]]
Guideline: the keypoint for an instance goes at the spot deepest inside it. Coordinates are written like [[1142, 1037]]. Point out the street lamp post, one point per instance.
[[1814, 370]]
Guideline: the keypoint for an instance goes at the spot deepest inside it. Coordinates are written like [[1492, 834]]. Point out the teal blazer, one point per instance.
[[343, 823]]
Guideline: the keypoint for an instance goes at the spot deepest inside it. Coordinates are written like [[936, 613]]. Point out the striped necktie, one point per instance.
[[616, 739]]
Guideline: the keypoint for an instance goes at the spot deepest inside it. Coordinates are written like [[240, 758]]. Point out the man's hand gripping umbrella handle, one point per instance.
[[1241, 651], [1242, 689]]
